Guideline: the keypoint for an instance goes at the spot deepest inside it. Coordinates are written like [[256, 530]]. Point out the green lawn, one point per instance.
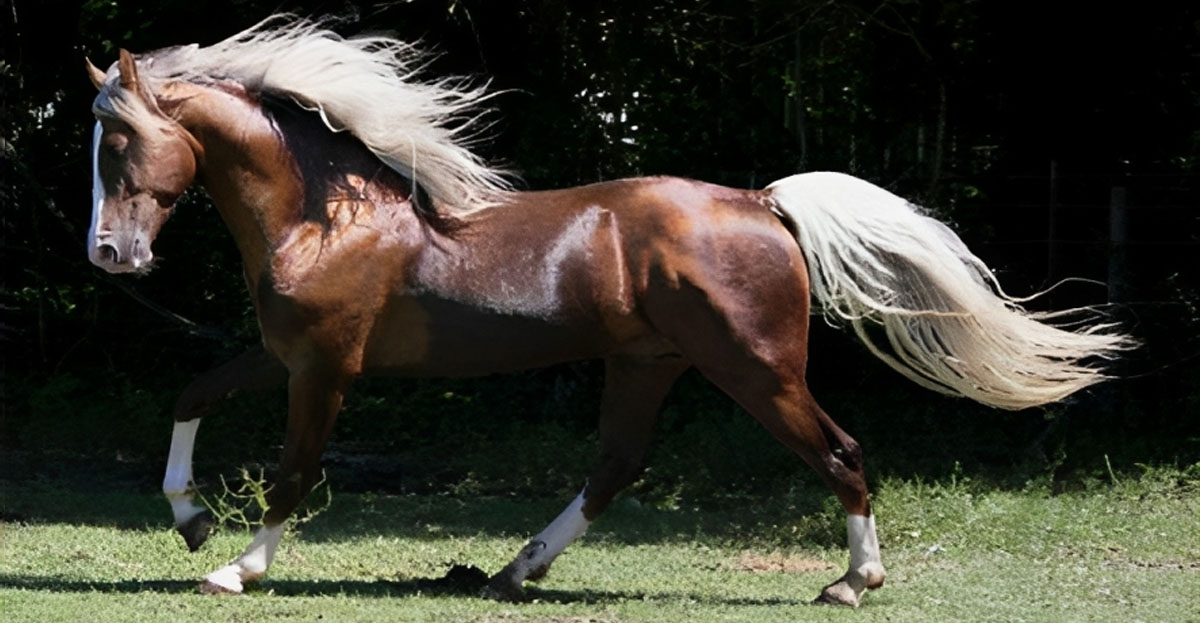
[[1126, 551]]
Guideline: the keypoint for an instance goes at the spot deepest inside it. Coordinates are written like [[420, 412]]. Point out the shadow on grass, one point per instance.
[[380, 589], [437, 517]]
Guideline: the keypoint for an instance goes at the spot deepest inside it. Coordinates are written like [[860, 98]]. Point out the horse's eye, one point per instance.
[[115, 143], [165, 199]]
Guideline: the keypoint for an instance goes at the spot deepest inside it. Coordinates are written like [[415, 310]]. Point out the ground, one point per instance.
[[1122, 550]]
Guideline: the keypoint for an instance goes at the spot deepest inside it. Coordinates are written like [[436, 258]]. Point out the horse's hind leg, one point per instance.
[[779, 399], [633, 390], [253, 370], [796, 420], [755, 349]]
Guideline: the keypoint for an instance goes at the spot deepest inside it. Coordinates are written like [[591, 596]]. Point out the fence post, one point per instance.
[[1052, 232], [1117, 245]]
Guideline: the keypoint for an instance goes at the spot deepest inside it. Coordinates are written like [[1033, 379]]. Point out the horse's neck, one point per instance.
[[245, 168], [285, 177]]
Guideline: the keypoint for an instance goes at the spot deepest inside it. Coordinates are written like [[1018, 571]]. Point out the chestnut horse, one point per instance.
[[374, 242]]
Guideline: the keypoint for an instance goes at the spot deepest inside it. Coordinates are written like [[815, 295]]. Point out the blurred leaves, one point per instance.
[[959, 105]]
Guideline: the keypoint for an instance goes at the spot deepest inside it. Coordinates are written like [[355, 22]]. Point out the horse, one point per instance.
[[373, 241]]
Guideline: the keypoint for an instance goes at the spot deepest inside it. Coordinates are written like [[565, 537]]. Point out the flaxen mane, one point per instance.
[[363, 85]]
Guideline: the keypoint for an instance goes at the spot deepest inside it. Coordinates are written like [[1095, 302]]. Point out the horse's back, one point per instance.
[[641, 233], [688, 259], [582, 272]]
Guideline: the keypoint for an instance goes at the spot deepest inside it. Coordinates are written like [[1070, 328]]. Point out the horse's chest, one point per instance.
[[325, 300]]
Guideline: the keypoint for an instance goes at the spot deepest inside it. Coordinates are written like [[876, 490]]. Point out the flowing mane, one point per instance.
[[366, 86]]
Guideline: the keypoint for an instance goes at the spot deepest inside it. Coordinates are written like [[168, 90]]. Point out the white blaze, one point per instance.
[[97, 190]]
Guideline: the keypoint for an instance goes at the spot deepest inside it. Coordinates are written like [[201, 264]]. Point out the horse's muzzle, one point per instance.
[[121, 255]]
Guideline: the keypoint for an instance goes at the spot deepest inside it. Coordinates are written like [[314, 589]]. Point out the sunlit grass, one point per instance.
[[1123, 551]]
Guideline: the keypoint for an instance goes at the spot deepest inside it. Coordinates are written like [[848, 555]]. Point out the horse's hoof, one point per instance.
[[224, 581], [208, 587], [196, 530], [838, 594], [502, 588]]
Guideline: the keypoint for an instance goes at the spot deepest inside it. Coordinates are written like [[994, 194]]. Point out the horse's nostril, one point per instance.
[[108, 253]]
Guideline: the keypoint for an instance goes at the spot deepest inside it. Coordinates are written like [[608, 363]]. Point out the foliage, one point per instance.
[[962, 105], [245, 504]]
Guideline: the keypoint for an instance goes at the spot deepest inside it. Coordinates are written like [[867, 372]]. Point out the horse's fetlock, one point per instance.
[[504, 586], [532, 550], [873, 574], [196, 530]]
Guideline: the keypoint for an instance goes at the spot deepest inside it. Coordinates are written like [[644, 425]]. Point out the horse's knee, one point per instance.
[[614, 473], [286, 493], [254, 370], [192, 403]]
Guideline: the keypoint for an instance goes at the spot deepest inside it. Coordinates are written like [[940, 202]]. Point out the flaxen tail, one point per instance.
[[873, 259]]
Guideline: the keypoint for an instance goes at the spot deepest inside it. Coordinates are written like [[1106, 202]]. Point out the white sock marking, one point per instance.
[[864, 544], [261, 551], [550, 542], [177, 483], [866, 566], [568, 526], [253, 562]]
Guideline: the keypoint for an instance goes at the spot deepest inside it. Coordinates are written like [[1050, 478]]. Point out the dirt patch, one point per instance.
[[1154, 566], [459, 580], [776, 562]]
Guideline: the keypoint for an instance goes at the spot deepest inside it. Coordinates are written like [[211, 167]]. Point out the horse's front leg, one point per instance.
[[253, 370], [314, 398]]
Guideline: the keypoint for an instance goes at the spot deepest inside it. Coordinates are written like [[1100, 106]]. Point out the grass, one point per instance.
[[1123, 550]]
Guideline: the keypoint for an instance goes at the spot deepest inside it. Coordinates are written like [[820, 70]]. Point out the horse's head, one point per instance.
[[142, 161]]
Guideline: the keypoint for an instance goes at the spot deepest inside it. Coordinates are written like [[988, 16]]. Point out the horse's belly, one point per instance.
[[438, 337]]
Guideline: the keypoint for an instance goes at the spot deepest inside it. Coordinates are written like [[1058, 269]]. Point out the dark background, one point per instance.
[[1032, 132]]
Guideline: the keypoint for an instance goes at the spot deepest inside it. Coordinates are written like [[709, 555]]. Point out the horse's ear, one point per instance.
[[128, 69], [95, 74], [130, 81]]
